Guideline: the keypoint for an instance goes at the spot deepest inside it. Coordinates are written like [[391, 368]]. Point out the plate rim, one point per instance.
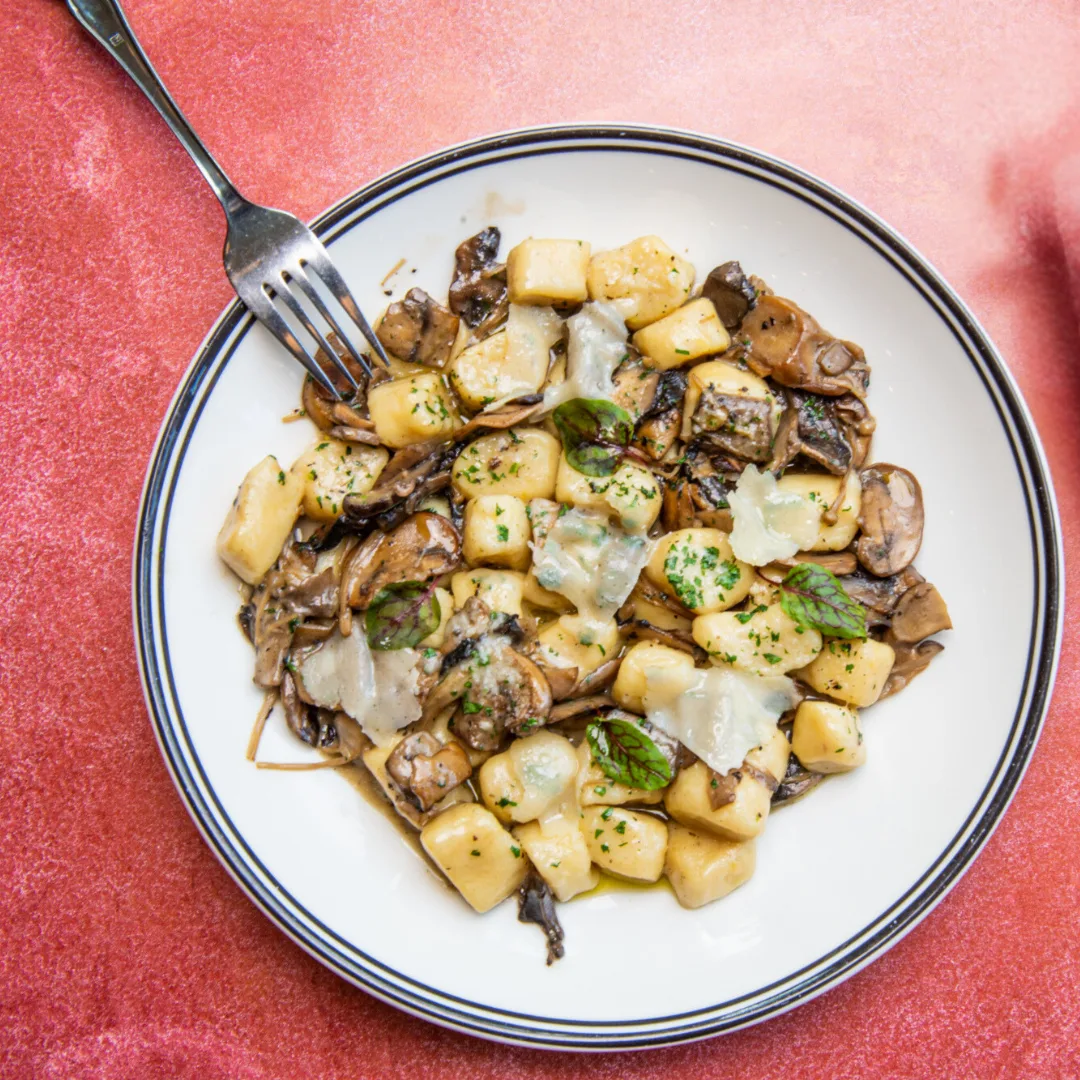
[[861, 948]]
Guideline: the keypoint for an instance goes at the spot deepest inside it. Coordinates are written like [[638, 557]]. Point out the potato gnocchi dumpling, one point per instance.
[[645, 277], [412, 409], [625, 843], [548, 272], [521, 462], [260, 519], [596, 574], [700, 569], [332, 469], [703, 868], [686, 335]]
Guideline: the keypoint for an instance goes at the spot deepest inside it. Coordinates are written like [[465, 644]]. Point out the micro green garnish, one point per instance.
[[627, 754], [813, 597], [402, 615], [595, 435]]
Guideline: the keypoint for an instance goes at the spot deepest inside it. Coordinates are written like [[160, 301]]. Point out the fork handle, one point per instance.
[[105, 21]]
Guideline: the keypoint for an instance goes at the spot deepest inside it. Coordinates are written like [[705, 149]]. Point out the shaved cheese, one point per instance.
[[377, 690], [769, 524], [720, 715], [546, 765], [596, 347], [594, 564]]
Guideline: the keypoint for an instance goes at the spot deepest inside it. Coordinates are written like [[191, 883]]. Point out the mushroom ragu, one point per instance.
[[598, 572]]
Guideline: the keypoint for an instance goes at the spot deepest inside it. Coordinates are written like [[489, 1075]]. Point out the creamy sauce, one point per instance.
[[596, 347], [769, 524], [591, 562]]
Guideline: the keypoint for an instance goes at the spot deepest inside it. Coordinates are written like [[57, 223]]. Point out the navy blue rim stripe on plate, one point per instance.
[[431, 1003]]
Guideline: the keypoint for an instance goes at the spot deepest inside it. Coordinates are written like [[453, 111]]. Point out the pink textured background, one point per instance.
[[125, 950]]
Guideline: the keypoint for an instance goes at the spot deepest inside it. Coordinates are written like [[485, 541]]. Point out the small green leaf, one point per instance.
[[595, 434], [814, 598], [402, 615], [627, 754]]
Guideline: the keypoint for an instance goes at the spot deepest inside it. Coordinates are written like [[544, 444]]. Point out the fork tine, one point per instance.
[[262, 308], [328, 272], [303, 282], [284, 294]]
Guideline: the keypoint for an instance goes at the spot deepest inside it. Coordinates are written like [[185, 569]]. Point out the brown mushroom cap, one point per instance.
[[781, 340], [478, 291], [426, 770], [891, 519], [911, 660], [731, 293], [920, 612], [422, 547], [418, 329], [485, 672]]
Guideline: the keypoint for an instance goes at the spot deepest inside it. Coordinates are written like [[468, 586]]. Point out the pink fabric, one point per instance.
[[125, 950]]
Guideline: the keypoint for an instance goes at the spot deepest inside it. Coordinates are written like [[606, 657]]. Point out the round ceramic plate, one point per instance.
[[842, 875]]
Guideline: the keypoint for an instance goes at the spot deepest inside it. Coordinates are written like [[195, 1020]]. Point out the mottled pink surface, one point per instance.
[[125, 949]]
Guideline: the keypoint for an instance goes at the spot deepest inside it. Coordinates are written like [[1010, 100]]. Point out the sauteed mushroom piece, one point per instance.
[[484, 672], [798, 780], [478, 291], [418, 330], [782, 341], [423, 547], [730, 292], [911, 660], [833, 432], [396, 496], [920, 612], [891, 519], [426, 770]]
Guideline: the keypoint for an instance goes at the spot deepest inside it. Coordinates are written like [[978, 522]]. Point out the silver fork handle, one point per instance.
[[105, 21]]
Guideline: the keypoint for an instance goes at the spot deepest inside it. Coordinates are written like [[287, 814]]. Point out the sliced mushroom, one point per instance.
[[536, 904], [736, 425], [920, 612], [731, 293], [797, 781], [911, 660], [562, 680], [891, 519], [393, 498], [840, 563], [634, 386], [356, 436], [722, 787], [817, 427], [642, 630], [316, 595], [567, 710], [782, 341], [596, 680], [319, 404], [478, 291], [880, 595], [423, 547], [698, 495], [485, 672], [418, 330], [301, 718], [661, 423], [426, 770]]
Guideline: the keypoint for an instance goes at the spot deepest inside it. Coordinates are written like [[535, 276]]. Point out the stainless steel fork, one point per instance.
[[269, 254]]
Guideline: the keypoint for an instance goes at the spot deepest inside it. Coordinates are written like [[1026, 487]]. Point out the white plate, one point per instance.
[[841, 875]]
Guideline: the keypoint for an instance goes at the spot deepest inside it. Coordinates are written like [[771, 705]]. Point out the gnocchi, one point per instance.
[[616, 579]]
